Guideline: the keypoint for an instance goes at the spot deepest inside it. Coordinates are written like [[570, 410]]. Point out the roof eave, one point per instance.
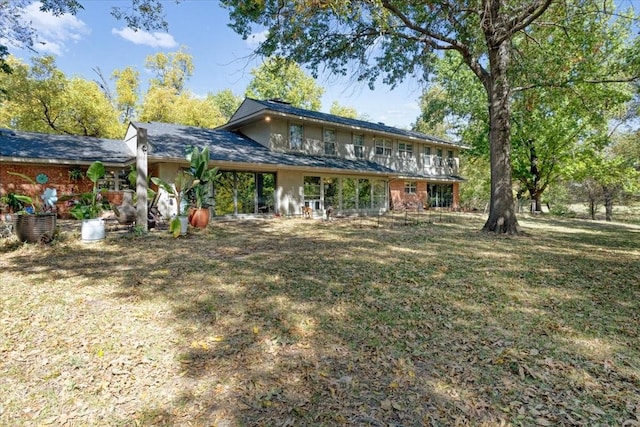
[[264, 112], [65, 162]]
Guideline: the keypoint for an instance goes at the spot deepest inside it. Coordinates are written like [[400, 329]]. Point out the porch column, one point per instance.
[[141, 178], [456, 195]]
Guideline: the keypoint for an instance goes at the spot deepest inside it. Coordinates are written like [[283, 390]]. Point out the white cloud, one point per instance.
[[162, 40], [54, 32], [256, 38]]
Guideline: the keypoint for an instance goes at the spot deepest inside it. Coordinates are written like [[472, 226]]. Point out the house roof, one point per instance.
[[170, 141], [288, 109], [18, 145]]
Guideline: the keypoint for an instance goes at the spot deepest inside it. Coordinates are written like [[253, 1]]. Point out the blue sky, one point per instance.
[[94, 39]]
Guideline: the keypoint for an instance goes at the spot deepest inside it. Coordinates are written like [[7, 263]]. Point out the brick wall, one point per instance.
[[456, 195], [399, 198], [58, 178]]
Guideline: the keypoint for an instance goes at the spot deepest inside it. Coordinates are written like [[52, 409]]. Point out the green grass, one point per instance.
[[298, 322]]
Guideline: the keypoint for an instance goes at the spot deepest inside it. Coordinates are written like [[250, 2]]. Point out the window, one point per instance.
[[405, 150], [427, 156], [295, 137], [383, 147], [358, 146], [450, 161], [439, 161], [117, 180], [331, 192], [440, 195], [379, 194], [330, 142], [410, 187], [312, 192]]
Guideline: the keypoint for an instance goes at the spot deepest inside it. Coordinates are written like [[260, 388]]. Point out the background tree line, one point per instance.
[[539, 88], [41, 98]]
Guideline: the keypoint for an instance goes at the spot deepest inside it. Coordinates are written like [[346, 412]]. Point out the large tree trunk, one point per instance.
[[609, 192], [502, 212], [592, 208], [534, 190], [608, 209], [536, 196]]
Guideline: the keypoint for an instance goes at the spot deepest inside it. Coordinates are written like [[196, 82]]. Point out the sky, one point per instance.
[[93, 39]]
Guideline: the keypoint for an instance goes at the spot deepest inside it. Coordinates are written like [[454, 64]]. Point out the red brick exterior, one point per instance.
[[399, 199], [58, 178]]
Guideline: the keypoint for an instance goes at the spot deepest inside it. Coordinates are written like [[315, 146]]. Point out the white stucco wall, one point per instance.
[[289, 193]]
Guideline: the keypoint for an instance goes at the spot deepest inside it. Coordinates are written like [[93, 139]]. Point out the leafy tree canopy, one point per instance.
[[343, 111], [171, 70], [127, 88], [396, 39], [226, 101], [279, 78], [41, 98]]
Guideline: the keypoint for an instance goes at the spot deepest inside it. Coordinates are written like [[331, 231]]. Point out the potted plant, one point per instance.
[[203, 177], [35, 222], [90, 205], [12, 202], [181, 184]]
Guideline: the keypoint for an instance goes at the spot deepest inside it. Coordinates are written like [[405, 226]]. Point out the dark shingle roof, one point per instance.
[[170, 141], [287, 108], [65, 148]]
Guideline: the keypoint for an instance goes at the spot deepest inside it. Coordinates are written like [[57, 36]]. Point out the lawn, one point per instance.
[[293, 322]]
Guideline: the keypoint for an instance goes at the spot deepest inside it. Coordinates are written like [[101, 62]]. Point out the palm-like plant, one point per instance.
[[181, 184], [202, 175], [90, 204]]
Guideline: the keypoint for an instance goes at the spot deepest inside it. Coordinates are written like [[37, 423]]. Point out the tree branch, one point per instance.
[[524, 18], [434, 40], [567, 83]]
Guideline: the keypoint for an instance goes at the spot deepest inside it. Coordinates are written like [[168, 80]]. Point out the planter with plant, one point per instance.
[[35, 220], [182, 183], [11, 203], [90, 205], [203, 177]]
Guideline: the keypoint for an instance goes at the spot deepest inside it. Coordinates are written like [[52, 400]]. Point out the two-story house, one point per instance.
[[273, 158], [277, 158]]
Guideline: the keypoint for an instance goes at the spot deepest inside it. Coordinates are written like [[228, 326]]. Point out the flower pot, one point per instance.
[[184, 224], [35, 228], [199, 217], [92, 230]]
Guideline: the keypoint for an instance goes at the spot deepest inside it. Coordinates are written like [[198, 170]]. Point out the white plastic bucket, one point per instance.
[[93, 230]]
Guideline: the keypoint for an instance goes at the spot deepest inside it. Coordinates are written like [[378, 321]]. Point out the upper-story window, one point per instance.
[[427, 156], [405, 150], [358, 145], [383, 147], [330, 142], [439, 161], [450, 160], [295, 137]]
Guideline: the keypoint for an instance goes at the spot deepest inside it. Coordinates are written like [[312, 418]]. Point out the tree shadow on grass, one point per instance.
[[296, 323]]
